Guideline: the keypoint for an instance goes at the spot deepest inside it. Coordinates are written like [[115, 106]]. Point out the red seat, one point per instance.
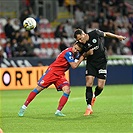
[[2, 35], [43, 45]]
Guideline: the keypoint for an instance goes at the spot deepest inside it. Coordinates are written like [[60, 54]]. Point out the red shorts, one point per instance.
[[50, 78]]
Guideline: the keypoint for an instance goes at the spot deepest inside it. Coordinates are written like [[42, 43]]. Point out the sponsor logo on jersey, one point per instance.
[[94, 40], [89, 45], [71, 58], [96, 47], [70, 53], [102, 71]]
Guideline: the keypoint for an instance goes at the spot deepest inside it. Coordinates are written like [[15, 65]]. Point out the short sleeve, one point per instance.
[[100, 33], [69, 57]]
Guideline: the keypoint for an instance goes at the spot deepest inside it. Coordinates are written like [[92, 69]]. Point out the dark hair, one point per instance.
[[77, 31], [81, 45]]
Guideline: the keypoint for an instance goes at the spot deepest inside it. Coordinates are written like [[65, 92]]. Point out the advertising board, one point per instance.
[[22, 78]]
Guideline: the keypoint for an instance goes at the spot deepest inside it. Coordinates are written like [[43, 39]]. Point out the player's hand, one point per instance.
[[121, 38], [84, 54], [90, 52]]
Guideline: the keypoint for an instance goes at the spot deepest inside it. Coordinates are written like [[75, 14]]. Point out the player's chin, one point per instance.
[[75, 53], [84, 42]]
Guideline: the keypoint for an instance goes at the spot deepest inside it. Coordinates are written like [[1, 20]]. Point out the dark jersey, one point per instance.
[[96, 41], [96, 63]]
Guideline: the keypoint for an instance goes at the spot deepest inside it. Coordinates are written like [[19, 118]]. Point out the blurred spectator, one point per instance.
[[26, 34], [115, 46], [32, 13], [8, 50], [62, 45], [68, 28], [18, 36], [40, 64], [79, 18], [9, 31], [15, 24], [2, 53], [110, 12], [36, 40], [105, 26], [22, 49], [111, 26], [30, 50], [101, 19], [23, 16], [14, 48], [102, 5], [27, 48], [60, 31]]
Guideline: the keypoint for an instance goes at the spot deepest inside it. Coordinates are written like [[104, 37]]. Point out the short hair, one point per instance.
[[81, 45], [77, 31]]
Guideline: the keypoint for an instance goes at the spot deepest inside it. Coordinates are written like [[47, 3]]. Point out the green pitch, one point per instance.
[[112, 112]]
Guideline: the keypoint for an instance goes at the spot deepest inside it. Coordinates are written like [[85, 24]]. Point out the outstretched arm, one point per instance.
[[119, 37]]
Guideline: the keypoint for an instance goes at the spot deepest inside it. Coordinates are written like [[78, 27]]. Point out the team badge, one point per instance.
[[94, 40], [42, 82]]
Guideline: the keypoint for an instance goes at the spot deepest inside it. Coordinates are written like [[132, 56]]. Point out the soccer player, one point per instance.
[[96, 64], [55, 74]]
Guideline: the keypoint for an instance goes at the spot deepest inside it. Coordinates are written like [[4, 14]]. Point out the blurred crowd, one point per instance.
[[44, 41], [114, 16]]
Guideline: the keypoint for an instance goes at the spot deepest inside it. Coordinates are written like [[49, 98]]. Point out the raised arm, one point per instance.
[[119, 37]]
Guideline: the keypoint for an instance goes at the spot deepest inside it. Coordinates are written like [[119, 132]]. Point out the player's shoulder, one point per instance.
[[93, 31], [68, 51], [96, 32]]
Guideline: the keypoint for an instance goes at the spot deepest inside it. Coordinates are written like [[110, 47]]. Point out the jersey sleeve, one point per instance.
[[77, 56], [100, 33], [69, 57]]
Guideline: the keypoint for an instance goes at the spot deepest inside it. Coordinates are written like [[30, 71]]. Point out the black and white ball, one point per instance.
[[29, 23]]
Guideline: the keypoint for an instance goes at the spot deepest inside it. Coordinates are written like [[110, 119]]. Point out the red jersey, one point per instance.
[[55, 73], [61, 64]]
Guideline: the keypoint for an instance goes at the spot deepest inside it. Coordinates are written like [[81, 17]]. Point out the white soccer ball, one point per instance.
[[29, 23]]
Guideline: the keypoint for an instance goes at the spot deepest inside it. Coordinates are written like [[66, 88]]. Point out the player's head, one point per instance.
[[81, 36], [77, 47]]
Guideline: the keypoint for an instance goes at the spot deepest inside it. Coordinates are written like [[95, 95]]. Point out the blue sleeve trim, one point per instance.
[[69, 56]]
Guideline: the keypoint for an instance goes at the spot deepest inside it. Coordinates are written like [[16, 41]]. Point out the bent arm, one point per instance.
[[76, 64], [90, 52], [108, 34]]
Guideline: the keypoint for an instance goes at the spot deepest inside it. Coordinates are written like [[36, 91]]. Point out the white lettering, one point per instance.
[[102, 71]]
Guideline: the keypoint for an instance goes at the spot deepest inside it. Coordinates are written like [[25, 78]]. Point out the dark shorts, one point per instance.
[[97, 70]]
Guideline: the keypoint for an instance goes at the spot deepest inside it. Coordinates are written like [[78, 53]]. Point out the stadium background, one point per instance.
[[56, 21]]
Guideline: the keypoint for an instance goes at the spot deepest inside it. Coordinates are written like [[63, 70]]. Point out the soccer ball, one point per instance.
[[29, 23]]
